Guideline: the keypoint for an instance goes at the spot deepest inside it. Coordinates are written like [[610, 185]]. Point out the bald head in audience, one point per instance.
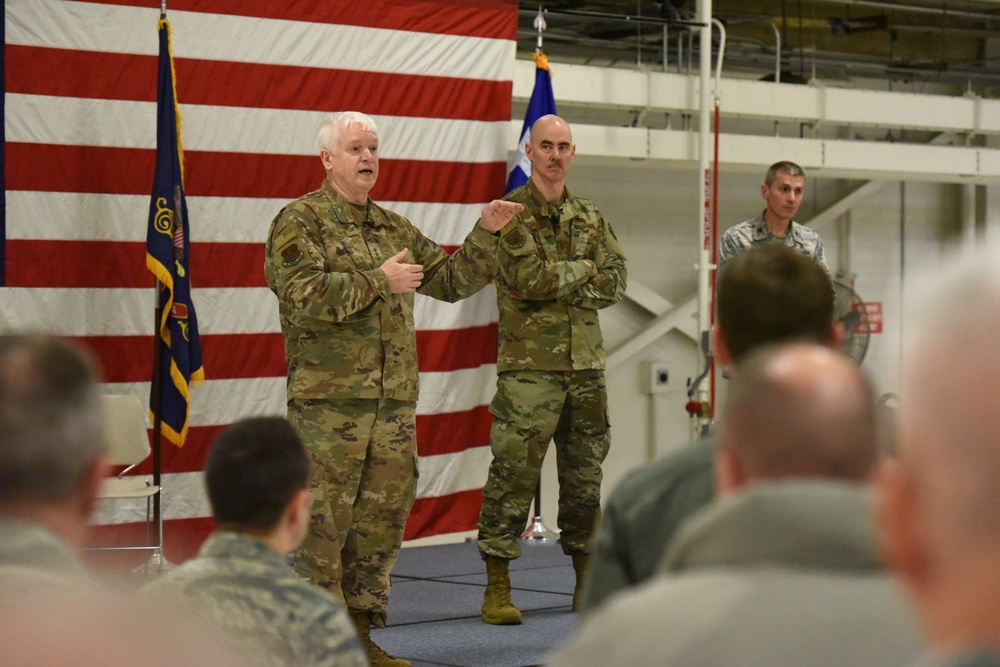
[[940, 501], [796, 411]]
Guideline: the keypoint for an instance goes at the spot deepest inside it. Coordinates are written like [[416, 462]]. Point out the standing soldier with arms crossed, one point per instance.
[[559, 263]]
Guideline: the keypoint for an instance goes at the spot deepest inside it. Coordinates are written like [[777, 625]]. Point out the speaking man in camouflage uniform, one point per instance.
[[256, 475], [558, 265], [782, 190], [344, 270]]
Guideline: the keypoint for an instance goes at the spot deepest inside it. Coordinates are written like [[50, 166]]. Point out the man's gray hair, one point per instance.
[[51, 423], [335, 123], [951, 395]]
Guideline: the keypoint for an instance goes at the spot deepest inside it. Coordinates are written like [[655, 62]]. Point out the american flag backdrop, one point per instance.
[[253, 79]]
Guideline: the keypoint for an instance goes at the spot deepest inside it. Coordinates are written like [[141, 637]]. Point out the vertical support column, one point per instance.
[[968, 207], [991, 201], [704, 183]]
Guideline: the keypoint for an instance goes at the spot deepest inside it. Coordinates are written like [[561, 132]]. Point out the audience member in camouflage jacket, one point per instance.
[[344, 270], [783, 188], [256, 475], [246, 588], [558, 265]]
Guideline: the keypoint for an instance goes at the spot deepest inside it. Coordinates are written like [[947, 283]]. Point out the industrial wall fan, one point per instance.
[[849, 309]]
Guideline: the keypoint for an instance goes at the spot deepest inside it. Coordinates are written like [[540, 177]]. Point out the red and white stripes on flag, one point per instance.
[[253, 79]]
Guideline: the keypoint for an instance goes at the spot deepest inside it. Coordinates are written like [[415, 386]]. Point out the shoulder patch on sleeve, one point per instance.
[[515, 239], [291, 255]]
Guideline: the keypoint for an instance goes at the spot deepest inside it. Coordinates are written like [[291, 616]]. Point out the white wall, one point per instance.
[[655, 214]]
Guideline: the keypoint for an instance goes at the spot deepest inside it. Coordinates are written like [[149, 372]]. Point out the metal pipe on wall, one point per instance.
[[705, 267]]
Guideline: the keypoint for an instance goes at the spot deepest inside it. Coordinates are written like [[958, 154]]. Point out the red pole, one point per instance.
[[715, 251]]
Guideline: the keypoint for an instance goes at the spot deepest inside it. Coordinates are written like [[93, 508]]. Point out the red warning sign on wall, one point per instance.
[[874, 311]]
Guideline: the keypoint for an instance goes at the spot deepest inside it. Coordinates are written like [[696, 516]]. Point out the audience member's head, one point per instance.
[[772, 294], [940, 498], [797, 411], [52, 446], [257, 469]]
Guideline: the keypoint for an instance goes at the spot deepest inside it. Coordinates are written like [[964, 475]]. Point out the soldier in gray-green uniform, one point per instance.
[[783, 188], [52, 462], [256, 474], [344, 270], [558, 265]]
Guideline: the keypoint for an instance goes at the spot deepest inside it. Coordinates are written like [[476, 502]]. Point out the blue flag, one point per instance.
[[168, 257], [542, 103]]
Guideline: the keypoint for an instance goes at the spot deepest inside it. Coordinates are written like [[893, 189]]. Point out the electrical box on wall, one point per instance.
[[655, 377]]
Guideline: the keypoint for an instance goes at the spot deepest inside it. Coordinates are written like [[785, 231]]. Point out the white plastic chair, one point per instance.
[[128, 445]]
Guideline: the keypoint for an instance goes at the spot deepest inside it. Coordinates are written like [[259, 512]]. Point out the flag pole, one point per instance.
[[537, 530], [156, 400]]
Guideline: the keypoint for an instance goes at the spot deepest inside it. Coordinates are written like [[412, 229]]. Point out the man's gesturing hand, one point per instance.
[[498, 213], [402, 277]]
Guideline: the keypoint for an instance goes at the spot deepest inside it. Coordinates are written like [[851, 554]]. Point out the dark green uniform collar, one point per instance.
[[544, 206], [343, 211]]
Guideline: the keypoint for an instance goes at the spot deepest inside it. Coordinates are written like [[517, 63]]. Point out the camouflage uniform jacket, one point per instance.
[[558, 264], [248, 589], [346, 335], [754, 232], [32, 557]]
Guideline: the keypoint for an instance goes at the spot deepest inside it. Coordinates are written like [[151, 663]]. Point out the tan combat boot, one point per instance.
[[497, 607], [580, 563], [376, 656]]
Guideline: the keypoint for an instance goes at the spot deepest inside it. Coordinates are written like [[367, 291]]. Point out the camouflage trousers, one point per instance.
[[530, 409], [363, 480]]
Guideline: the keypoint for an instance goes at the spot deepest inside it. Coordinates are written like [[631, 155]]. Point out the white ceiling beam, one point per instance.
[[829, 158], [818, 104]]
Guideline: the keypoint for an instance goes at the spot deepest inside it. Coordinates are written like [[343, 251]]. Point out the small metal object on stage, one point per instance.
[[536, 531], [155, 564]]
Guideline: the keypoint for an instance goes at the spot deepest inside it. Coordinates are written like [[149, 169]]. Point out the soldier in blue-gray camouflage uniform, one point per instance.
[[782, 190], [558, 265], [256, 475], [344, 270]]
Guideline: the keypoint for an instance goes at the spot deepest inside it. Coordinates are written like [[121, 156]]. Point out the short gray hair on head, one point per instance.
[[951, 396], [51, 419], [784, 167], [333, 124]]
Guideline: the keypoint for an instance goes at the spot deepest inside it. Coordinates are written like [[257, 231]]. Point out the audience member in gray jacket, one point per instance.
[[783, 569], [766, 295], [939, 501]]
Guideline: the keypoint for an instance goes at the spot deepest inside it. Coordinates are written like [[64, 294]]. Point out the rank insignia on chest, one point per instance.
[[291, 255], [515, 239]]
